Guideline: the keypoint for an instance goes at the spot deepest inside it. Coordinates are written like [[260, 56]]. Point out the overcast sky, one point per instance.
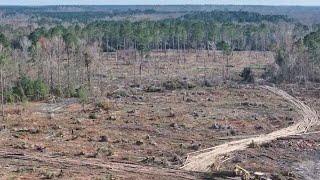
[[135, 2]]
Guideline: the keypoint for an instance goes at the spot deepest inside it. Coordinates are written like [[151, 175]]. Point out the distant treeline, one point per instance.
[[59, 57], [306, 15], [199, 30], [235, 16]]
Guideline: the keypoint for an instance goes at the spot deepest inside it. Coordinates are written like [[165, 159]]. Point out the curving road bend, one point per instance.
[[202, 161]]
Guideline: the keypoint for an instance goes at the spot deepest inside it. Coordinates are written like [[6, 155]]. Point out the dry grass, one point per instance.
[[161, 126]]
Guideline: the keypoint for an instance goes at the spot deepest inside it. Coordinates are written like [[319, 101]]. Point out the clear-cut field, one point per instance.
[[138, 134]]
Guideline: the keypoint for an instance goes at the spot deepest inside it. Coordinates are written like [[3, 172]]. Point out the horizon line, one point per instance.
[[39, 5]]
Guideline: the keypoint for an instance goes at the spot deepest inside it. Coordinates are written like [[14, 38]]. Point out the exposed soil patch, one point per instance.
[[147, 129]]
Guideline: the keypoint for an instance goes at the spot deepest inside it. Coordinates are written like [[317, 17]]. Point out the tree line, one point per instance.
[[59, 57], [300, 62]]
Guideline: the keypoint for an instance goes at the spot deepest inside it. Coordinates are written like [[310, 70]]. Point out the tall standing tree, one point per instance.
[[4, 56], [226, 51], [143, 39], [71, 42], [87, 61], [198, 35], [126, 33], [57, 45]]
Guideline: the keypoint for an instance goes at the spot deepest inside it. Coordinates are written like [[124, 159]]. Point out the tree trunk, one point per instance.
[[89, 77], [2, 94], [227, 74], [68, 70], [134, 66]]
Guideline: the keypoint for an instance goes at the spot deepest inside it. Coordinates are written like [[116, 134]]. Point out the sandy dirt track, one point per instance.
[[203, 160]]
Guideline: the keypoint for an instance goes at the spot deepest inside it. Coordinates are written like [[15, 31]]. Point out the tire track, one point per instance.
[[203, 160]]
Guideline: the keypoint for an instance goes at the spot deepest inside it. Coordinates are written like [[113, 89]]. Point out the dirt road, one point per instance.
[[203, 160]]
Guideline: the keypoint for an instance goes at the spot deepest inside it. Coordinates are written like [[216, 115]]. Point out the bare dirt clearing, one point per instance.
[[204, 159], [144, 131]]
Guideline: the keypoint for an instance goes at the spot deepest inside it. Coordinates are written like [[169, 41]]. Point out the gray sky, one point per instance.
[[133, 2]]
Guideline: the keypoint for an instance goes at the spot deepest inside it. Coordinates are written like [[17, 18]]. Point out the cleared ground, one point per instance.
[[135, 133]]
